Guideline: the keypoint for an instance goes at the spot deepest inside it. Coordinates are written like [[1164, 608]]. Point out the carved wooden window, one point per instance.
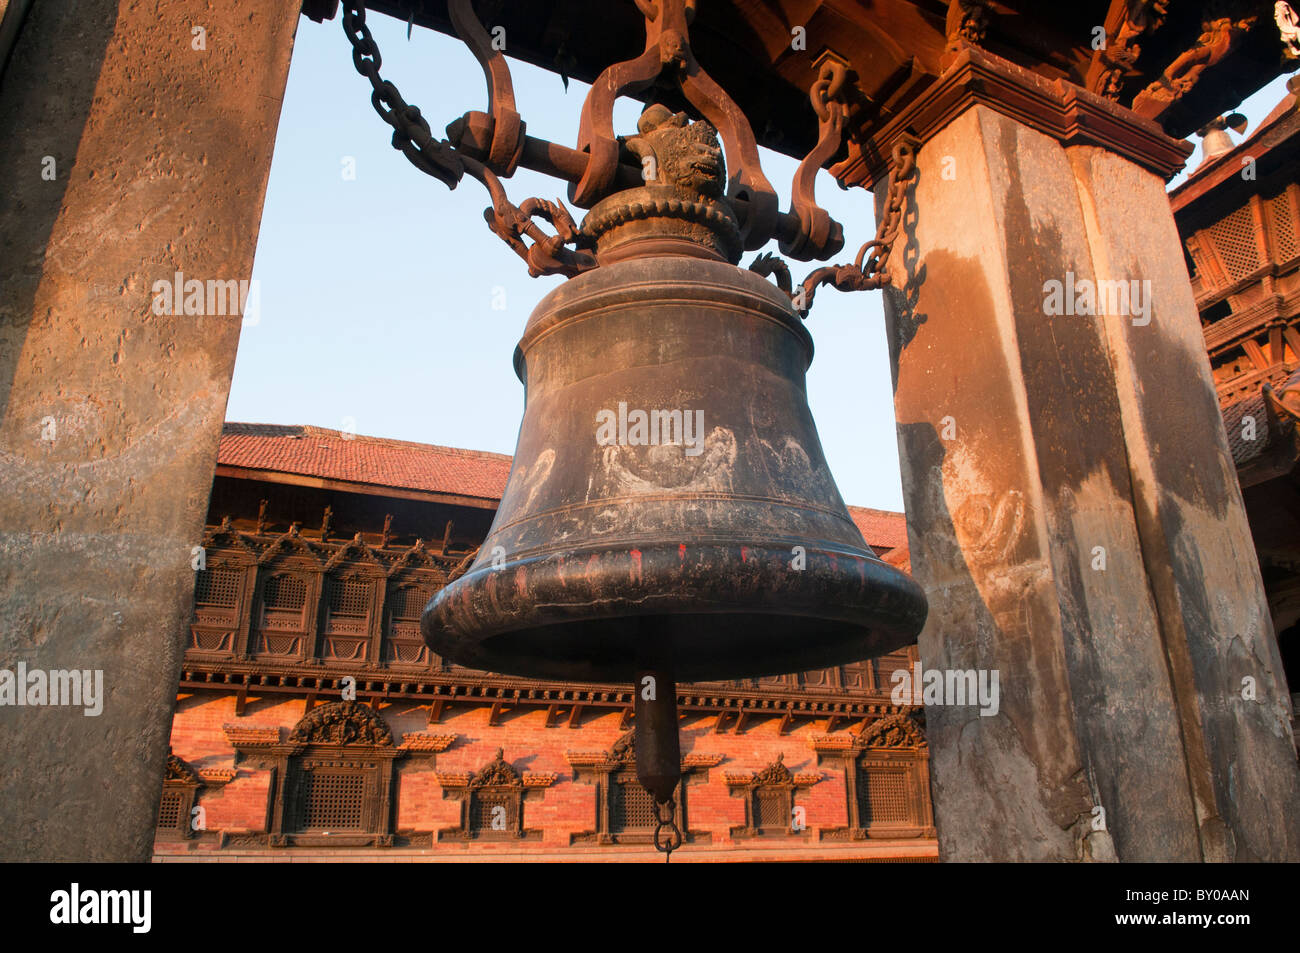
[[346, 633], [283, 620], [176, 806], [883, 795], [218, 592], [330, 797], [774, 809], [172, 815], [1284, 227], [405, 606], [625, 813], [1234, 239], [494, 811], [857, 676], [887, 665], [492, 800], [770, 800], [332, 782], [217, 588], [631, 806]]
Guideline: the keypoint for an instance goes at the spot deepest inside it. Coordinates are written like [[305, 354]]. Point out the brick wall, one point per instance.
[[565, 808]]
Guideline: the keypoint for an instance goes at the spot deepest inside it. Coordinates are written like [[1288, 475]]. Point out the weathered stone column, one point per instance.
[[1073, 511], [138, 141]]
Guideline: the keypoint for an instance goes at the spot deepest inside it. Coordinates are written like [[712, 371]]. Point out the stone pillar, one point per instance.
[[1073, 510], [138, 142]]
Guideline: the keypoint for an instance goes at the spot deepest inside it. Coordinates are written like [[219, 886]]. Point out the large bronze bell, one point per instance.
[[669, 486], [669, 512]]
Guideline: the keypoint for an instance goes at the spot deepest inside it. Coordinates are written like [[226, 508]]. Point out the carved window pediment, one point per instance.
[[342, 723]]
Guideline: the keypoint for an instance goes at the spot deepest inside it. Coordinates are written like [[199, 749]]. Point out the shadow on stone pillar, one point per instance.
[[1072, 510], [138, 144]]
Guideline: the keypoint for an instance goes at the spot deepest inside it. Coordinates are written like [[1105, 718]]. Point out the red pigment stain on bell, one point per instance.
[[681, 551], [521, 581], [744, 554], [636, 558]]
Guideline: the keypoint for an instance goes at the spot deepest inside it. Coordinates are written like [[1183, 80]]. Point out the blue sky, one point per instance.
[[377, 292]]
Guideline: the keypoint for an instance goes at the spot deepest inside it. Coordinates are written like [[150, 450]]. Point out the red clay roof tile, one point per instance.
[[402, 464]]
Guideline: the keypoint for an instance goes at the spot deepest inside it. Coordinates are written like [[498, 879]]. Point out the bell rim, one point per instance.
[[843, 607]]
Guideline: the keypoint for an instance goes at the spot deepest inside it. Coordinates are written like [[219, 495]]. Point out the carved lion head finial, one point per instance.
[[677, 152]]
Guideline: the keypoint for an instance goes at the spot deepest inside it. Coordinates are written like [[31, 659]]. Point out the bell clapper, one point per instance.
[[658, 747]]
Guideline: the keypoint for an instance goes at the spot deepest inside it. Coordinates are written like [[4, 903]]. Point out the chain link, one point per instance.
[[411, 133], [900, 177], [668, 836]]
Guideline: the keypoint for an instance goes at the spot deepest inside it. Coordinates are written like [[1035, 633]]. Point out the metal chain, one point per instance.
[[411, 132], [668, 837], [869, 270], [901, 172]]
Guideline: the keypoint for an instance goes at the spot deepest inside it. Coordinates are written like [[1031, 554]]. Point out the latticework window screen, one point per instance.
[[217, 587], [348, 597], [484, 809], [171, 811], [407, 604], [284, 592], [631, 806], [882, 796], [1283, 227], [1234, 238], [773, 809], [330, 801]]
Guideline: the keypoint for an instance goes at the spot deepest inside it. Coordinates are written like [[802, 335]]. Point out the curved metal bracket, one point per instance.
[[668, 46], [820, 236], [500, 125]]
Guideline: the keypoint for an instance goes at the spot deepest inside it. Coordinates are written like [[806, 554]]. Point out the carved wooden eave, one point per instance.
[[418, 557], [178, 771], [424, 741], [466, 687], [1056, 108], [292, 544], [234, 545], [355, 549], [217, 777], [241, 736]]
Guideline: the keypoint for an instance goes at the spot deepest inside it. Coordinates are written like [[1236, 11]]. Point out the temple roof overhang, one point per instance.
[[1179, 64]]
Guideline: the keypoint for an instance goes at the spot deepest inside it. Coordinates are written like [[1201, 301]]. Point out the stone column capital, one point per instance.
[[1058, 108]]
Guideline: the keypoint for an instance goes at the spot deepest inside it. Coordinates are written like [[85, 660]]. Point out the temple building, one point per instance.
[[312, 718], [1238, 215]]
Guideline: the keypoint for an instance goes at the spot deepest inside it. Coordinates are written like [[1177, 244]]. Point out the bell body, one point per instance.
[[669, 485]]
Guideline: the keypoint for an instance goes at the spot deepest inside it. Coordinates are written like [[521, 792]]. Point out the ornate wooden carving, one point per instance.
[[886, 778], [1217, 39], [492, 801], [342, 723], [332, 782], [770, 800], [180, 794], [624, 809]]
